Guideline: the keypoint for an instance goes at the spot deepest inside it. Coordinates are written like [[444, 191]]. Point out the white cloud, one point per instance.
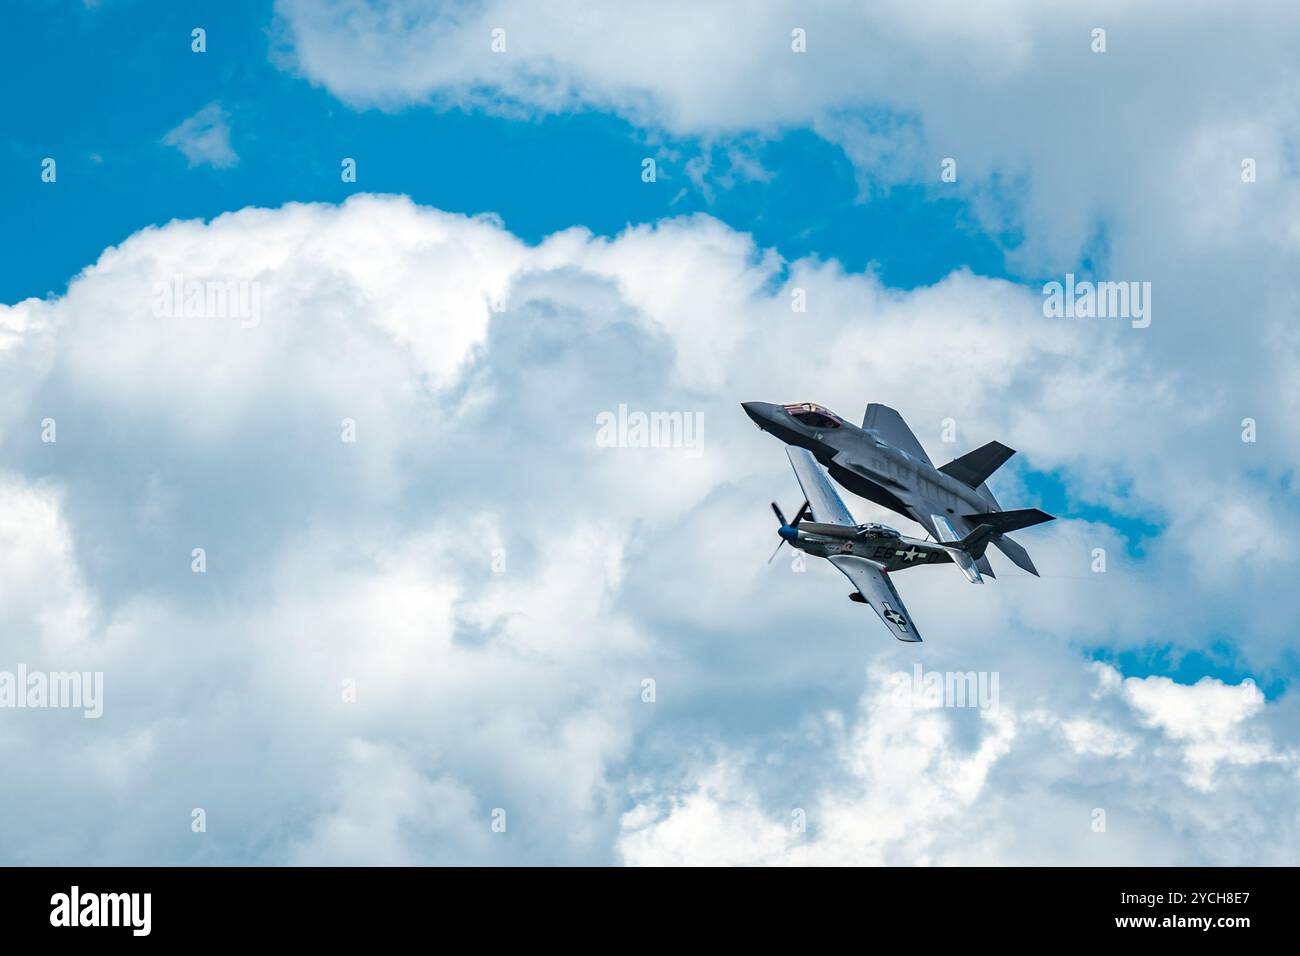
[[1126, 162], [933, 789], [716, 66], [204, 138], [40, 587], [1012, 89], [1211, 720], [520, 688]]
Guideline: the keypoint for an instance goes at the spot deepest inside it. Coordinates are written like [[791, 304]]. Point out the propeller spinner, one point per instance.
[[799, 516]]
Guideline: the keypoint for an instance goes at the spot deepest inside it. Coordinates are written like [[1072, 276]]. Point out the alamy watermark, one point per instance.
[[75, 908], [636, 429], [183, 298], [929, 690], [1098, 300], [62, 690]]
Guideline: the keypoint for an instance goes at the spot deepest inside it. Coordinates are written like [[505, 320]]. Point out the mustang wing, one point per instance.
[[827, 507], [874, 585]]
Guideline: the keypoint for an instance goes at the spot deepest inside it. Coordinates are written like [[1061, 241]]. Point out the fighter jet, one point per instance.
[[883, 462], [865, 553]]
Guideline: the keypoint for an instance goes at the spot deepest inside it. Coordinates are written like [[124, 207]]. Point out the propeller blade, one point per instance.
[[778, 548], [803, 513], [777, 511]]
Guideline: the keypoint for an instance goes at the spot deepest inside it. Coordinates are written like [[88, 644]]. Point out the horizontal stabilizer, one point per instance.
[[970, 566], [973, 468], [1003, 521]]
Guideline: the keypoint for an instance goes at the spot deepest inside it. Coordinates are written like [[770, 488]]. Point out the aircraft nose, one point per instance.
[[758, 411]]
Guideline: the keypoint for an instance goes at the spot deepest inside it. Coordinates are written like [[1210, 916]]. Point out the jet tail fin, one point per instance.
[[1018, 555], [974, 467]]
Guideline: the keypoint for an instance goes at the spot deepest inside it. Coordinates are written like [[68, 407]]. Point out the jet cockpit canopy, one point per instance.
[[814, 416]]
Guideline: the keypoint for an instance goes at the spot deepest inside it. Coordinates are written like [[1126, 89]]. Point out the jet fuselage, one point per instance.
[[879, 468]]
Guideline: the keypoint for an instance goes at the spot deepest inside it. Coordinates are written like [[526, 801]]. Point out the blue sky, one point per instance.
[[111, 82], [103, 116], [776, 172]]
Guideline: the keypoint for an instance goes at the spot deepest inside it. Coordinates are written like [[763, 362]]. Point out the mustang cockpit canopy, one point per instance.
[[814, 416], [873, 530]]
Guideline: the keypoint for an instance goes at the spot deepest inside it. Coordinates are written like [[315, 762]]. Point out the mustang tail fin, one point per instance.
[[975, 543], [1003, 521], [974, 467]]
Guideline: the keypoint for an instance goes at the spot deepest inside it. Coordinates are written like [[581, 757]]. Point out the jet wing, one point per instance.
[[878, 591], [827, 507], [891, 428]]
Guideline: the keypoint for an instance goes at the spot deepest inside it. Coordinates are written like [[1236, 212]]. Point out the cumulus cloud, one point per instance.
[[1014, 90], [1210, 720], [204, 138], [494, 588], [1125, 164], [899, 786]]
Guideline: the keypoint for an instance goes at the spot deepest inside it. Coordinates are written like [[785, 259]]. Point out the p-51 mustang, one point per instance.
[[865, 553], [883, 462]]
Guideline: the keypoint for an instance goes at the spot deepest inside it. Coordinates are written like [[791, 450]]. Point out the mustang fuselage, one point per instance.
[[875, 542]]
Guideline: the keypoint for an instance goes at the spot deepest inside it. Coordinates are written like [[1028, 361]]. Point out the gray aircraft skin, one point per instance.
[[864, 553], [883, 462]]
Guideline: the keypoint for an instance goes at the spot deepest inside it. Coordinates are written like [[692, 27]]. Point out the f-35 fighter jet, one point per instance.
[[883, 462], [864, 553]]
